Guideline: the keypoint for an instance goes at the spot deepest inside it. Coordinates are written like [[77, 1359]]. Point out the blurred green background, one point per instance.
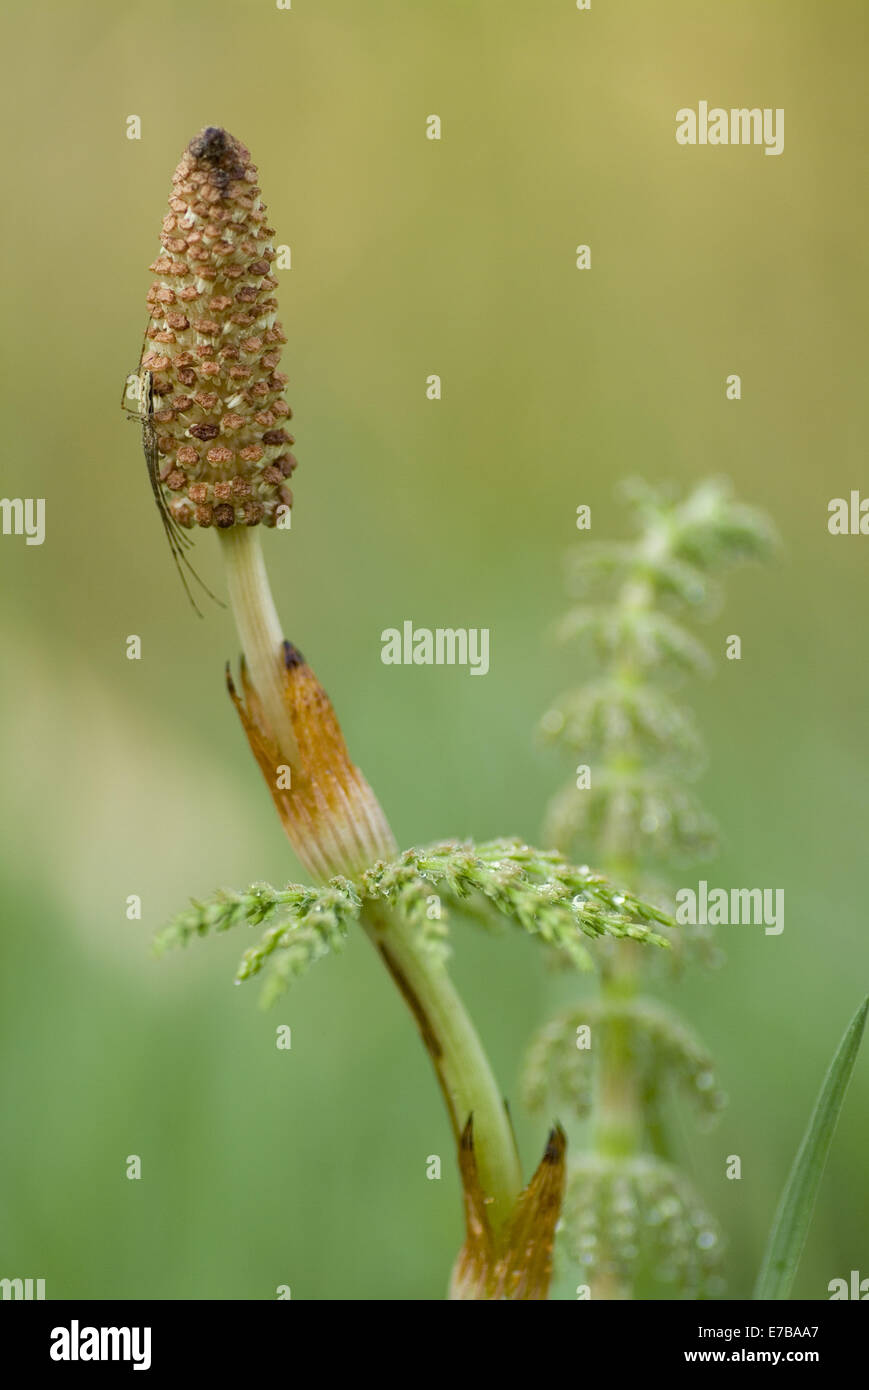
[[412, 257]]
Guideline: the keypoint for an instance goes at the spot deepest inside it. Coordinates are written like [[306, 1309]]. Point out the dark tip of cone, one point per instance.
[[292, 656], [210, 143]]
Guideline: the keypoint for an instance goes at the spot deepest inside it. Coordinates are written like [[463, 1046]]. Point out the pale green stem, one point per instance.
[[618, 1119], [465, 1076], [617, 1127], [259, 627]]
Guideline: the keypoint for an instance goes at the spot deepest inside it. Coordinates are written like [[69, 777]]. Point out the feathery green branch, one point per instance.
[[502, 880]]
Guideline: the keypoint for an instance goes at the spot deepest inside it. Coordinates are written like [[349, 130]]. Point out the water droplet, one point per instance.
[[707, 1239], [668, 1208]]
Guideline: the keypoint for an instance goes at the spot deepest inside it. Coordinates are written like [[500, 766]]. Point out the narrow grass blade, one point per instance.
[[791, 1225]]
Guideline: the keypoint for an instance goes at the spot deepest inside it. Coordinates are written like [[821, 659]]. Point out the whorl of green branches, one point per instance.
[[628, 1214], [499, 882], [643, 742], [559, 1069]]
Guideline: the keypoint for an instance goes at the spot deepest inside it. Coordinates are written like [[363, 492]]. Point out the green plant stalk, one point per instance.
[[463, 1070], [679, 544], [465, 1077], [617, 1121]]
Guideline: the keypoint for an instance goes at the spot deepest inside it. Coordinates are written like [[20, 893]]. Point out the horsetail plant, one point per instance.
[[629, 1211], [211, 399]]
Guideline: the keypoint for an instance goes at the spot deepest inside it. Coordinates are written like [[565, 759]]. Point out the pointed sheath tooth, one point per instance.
[[516, 1262], [213, 345]]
